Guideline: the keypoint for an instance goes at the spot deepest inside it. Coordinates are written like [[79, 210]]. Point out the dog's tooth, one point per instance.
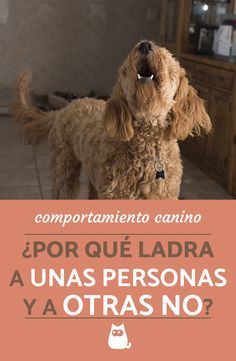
[[151, 77], [139, 76]]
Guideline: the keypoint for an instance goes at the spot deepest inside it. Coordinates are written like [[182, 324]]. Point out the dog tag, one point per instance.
[[160, 169], [160, 174]]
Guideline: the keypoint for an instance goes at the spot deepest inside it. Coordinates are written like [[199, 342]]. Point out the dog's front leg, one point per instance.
[[117, 194], [116, 184]]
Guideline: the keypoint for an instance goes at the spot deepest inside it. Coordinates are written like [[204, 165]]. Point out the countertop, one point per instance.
[[215, 61]]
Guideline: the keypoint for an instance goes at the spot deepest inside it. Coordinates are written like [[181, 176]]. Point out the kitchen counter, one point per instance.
[[215, 61]]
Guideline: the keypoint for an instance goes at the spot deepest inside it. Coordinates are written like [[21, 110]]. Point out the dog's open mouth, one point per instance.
[[145, 73]]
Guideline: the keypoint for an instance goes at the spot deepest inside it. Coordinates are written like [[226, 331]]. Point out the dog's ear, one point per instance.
[[189, 116], [117, 117]]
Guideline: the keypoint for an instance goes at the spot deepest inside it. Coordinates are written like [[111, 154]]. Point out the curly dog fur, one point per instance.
[[120, 142]]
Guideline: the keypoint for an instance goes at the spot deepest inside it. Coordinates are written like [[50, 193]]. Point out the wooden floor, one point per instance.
[[25, 171]]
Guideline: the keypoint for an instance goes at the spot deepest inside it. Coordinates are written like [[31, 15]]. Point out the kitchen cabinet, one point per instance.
[[215, 153], [215, 80]]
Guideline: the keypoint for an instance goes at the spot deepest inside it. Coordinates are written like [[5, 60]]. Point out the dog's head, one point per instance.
[[153, 88]]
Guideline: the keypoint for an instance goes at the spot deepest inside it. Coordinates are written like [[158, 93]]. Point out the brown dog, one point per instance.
[[127, 145]]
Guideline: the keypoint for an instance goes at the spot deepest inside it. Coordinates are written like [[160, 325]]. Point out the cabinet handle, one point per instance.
[[220, 77]]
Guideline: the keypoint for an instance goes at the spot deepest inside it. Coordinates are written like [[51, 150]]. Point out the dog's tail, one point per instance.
[[35, 123]]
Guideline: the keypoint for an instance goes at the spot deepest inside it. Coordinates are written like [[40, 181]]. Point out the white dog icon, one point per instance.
[[118, 339]]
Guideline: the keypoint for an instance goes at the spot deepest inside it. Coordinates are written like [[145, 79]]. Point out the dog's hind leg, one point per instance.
[[65, 173]]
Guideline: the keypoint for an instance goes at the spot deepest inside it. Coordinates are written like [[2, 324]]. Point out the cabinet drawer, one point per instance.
[[189, 66], [222, 78], [202, 73], [203, 92]]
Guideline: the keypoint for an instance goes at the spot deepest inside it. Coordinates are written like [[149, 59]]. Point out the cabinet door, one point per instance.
[[218, 144], [234, 174], [197, 146], [171, 15]]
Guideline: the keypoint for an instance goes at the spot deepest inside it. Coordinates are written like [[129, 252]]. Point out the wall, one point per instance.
[[72, 44]]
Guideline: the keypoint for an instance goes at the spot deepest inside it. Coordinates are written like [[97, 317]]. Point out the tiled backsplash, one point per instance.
[[71, 44]]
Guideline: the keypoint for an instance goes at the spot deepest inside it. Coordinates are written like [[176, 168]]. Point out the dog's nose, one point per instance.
[[145, 47]]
